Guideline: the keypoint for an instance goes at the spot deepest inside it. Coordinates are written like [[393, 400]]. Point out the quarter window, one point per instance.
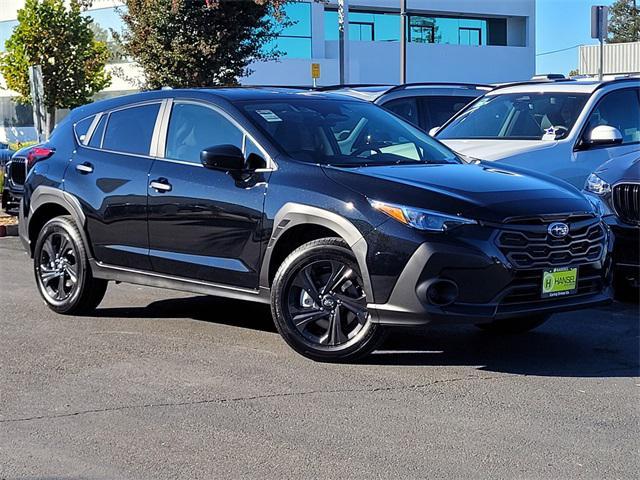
[[619, 109], [192, 128], [130, 130], [82, 127]]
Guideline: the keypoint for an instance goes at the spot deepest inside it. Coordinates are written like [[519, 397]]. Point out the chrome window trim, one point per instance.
[[89, 131], [271, 164], [157, 145]]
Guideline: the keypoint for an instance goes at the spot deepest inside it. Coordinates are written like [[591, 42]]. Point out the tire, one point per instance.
[[514, 325], [328, 323], [60, 256]]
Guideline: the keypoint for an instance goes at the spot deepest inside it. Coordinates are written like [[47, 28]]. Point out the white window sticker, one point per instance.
[[269, 116]]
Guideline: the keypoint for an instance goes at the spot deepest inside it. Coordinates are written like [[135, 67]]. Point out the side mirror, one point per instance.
[[433, 131], [604, 135], [223, 157]]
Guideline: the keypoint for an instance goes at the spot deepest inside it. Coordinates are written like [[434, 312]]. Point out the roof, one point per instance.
[[587, 86], [372, 92]]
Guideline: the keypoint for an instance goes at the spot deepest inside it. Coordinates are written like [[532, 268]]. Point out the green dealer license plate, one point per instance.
[[557, 282]]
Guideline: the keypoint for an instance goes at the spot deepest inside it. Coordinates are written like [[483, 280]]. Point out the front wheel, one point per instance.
[[514, 325], [319, 303], [62, 269]]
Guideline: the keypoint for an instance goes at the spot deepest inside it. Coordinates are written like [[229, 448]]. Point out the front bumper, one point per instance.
[[626, 249], [489, 285]]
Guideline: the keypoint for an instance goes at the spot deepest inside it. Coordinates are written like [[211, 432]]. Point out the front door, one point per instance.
[[619, 109], [204, 224]]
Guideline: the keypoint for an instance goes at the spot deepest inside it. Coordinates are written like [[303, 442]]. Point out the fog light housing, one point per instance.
[[442, 293]]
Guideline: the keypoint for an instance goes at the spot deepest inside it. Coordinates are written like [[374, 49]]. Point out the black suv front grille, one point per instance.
[[531, 246], [626, 202], [17, 171]]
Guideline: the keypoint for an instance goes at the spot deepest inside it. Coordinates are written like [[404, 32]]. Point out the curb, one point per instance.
[[8, 230]]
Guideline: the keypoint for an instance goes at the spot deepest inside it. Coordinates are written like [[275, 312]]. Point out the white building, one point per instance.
[[619, 58], [483, 41]]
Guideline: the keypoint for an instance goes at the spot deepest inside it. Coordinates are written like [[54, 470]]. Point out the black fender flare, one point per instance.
[[294, 214]]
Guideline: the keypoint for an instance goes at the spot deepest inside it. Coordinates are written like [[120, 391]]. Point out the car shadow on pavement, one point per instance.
[[235, 313], [600, 342]]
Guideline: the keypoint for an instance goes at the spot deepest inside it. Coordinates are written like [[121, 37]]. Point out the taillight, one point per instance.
[[38, 153]]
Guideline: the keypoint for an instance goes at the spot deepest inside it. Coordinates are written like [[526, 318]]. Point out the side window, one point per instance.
[[619, 109], [406, 108], [82, 127], [193, 128], [442, 108], [130, 130], [96, 136]]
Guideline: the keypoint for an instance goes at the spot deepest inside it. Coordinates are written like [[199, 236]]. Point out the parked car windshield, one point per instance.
[[347, 134], [518, 116]]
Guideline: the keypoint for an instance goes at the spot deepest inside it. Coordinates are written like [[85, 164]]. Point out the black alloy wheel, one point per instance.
[[319, 303]]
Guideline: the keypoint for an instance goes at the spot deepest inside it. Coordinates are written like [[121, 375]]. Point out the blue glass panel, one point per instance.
[[6, 29], [292, 47], [330, 25], [300, 15]]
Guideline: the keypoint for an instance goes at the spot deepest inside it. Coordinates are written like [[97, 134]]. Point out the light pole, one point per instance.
[[403, 41]]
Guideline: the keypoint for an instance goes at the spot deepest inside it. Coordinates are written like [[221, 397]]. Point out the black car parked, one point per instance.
[[15, 173], [616, 184], [342, 216]]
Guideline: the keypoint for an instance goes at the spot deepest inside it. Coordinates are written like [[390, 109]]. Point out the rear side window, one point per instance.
[[96, 136], [130, 130], [82, 127], [406, 108], [619, 109]]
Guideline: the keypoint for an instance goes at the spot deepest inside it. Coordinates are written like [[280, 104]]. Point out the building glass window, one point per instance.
[[450, 31], [379, 27], [294, 41], [6, 29]]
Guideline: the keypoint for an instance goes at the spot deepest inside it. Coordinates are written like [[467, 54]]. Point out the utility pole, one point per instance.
[[403, 41], [343, 37]]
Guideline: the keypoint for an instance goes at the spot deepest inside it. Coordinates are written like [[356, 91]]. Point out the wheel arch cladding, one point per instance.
[[48, 203], [296, 224]]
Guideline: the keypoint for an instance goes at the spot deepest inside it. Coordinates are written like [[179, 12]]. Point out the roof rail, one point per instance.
[[470, 86], [327, 88], [532, 82], [549, 76]]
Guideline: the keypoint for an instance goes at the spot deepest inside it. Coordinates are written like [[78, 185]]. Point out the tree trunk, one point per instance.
[[50, 122]]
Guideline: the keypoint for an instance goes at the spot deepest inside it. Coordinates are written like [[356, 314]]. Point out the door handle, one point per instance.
[[160, 185], [84, 168]]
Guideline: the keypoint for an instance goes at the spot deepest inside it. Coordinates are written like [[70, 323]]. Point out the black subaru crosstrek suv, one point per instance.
[[343, 217]]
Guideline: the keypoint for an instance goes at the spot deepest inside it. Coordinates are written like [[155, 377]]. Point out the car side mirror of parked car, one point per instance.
[[433, 131], [223, 157], [604, 135]]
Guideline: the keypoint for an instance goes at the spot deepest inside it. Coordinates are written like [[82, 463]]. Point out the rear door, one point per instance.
[[109, 176], [205, 224]]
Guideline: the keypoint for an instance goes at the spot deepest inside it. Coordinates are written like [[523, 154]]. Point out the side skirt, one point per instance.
[[152, 279]]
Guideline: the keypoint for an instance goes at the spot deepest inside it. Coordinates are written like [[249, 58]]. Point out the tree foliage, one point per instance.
[[624, 22], [199, 43], [59, 39]]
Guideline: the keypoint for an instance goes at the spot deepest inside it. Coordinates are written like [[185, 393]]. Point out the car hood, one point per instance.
[[623, 168], [496, 149], [477, 191]]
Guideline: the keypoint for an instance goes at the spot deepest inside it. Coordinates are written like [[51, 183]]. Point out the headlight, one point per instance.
[[595, 184], [420, 219]]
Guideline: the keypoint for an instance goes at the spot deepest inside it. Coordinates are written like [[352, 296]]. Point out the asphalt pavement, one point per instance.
[[166, 385]]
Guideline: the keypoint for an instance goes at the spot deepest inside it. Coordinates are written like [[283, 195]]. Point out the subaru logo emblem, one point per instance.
[[558, 230]]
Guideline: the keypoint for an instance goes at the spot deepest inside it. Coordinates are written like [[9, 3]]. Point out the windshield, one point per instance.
[[518, 116], [344, 133]]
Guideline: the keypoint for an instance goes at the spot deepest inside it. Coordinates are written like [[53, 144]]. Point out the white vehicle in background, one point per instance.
[[566, 128]]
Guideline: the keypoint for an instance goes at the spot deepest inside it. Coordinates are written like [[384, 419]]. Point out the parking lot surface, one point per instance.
[[163, 384]]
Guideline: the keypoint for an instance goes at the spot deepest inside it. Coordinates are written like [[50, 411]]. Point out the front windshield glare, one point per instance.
[[518, 116], [344, 133]]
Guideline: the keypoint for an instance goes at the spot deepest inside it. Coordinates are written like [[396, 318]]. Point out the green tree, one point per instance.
[[624, 22], [199, 43], [60, 40]]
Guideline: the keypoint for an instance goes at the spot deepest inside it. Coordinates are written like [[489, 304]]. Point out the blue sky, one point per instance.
[[561, 24]]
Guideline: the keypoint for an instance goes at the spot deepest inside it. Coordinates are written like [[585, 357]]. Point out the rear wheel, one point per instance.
[[319, 303], [514, 325], [62, 269]]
